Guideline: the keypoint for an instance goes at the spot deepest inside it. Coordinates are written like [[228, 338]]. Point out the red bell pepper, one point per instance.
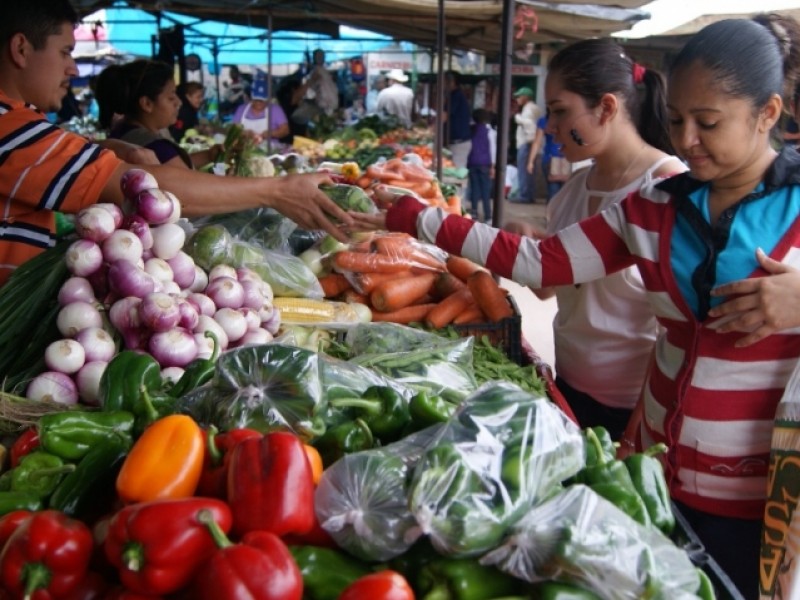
[[270, 485], [383, 585], [158, 546], [214, 478], [9, 523], [260, 567], [46, 557], [92, 587], [120, 593], [25, 443]]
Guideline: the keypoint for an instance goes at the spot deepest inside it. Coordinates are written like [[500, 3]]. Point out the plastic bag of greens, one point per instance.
[[362, 499], [350, 197], [263, 227], [209, 246], [383, 337], [288, 275], [503, 451], [581, 538], [443, 367]]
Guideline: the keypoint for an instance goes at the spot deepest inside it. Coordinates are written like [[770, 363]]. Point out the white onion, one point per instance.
[[252, 317], [225, 292], [159, 269], [122, 245], [135, 181], [115, 212], [233, 322], [270, 318], [247, 274], [64, 356], [172, 374], [168, 240], [76, 289], [173, 348], [190, 316], [159, 312], [154, 206], [252, 295], [83, 257], [94, 223], [99, 281], [172, 288], [124, 313], [200, 279], [183, 269], [52, 386], [76, 316], [141, 229], [204, 304], [97, 344], [126, 279], [256, 337], [176, 208], [88, 381], [218, 271], [206, 323]]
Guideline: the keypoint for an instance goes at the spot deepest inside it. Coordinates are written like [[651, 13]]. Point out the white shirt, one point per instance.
[[397, 100], [604, 330], [526, 123]]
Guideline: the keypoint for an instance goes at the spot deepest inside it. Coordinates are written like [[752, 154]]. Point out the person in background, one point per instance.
[[397, 99], [235, 94], [260, 116], [191, 94], [57, 170], [526, 118], [290, 96], [550, 150], [138, 103], [480, 163], [371, 101], [717, 248], [320, 85], [457, 119], [604, 330], [70, 108]]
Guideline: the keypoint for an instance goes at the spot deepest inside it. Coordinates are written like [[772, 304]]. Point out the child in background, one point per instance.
[[480, 164]]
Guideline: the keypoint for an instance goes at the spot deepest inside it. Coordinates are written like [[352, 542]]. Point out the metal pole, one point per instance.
[[502, 112], [215, 54], [269, 79], [440, 90]]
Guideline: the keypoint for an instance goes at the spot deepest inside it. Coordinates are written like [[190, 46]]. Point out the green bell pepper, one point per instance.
[[39, 473], [552, 590], [611, 480], [326, 572], [607, 450], [464, 579], [647, 475], [342, 439], [382, 408], [706, 589], [427, 409], [12, 501], [70, 435], [197, 372], [93, 478], [132, 382]]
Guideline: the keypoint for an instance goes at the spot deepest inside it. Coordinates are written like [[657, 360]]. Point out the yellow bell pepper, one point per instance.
[[165, 462]]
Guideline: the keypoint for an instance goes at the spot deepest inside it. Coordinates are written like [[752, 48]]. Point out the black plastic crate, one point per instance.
[[505, 334], [685, 537]]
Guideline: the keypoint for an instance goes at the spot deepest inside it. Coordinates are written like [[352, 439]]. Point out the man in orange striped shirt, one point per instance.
[[45, 169]]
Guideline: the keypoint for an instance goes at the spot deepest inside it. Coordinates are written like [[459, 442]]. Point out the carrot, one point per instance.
[[407, 249], [446, 283], [334, 284], [397, 293], [415, 313], [364, 181], [367, 262], [471, 314], [492, 299], [462, 267], [447, 310], [366, 282], [352, 295]]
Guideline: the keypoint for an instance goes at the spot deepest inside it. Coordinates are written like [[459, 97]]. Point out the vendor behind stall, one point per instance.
[[260, 116], [46, 169]]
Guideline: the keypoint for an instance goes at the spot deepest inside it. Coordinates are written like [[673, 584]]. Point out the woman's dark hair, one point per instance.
[[748, 58], [592, 68], [36, 19], [119, 87]]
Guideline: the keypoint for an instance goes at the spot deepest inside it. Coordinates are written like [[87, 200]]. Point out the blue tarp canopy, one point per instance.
[[132, 30]]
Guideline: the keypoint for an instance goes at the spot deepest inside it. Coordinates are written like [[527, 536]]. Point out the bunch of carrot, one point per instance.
[[405, 281]]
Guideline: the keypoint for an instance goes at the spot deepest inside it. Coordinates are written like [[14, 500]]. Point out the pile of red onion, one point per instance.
[[133, 287]]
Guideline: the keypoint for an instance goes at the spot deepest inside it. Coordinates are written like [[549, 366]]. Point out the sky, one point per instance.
[[668, 14]]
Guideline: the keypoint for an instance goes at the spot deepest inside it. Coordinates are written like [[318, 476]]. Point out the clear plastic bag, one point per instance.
[[503, 451], [581, 538], [263, 227], [288, 275], [362, 499]]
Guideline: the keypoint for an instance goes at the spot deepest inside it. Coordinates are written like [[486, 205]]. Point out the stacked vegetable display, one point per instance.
[[131, 279]]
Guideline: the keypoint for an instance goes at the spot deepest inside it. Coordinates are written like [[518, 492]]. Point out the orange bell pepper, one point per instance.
[[165, 462]]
